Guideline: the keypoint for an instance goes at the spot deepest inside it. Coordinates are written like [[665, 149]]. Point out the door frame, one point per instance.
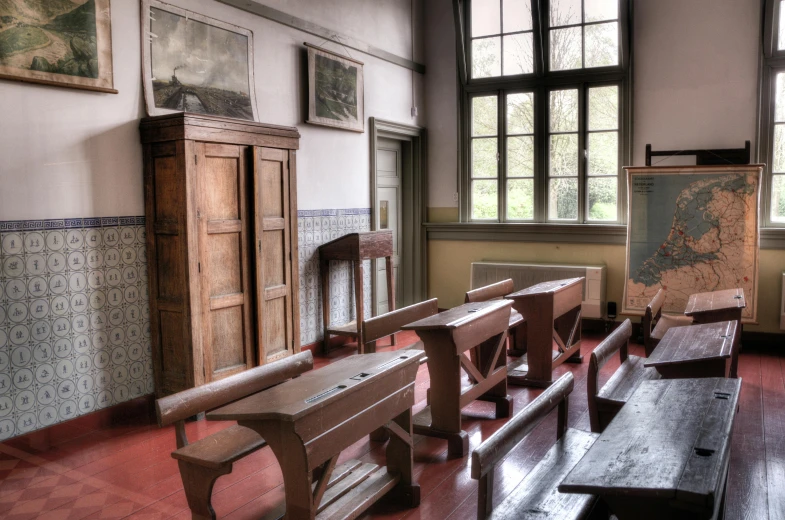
[[414, 196]]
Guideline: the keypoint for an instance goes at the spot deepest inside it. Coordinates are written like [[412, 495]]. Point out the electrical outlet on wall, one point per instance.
[[414, 112], [455, 197]]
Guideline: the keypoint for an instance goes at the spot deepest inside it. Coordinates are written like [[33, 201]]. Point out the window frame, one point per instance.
[[541, 82]]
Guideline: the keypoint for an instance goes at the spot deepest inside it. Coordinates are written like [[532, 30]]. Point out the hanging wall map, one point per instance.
[[691, 229]]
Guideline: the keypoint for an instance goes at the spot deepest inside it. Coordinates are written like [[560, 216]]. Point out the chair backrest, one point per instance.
[[490, 292], [652, 315], [490, 452], [617, 340], [177, 407], [384, 325]]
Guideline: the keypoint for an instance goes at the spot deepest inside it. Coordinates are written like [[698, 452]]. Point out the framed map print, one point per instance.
[[192, 63], [691, 229], [66, 43], [335, 90]]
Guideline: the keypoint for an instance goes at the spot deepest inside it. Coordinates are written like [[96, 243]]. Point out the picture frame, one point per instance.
[[691, 229], [193, 63], [335, 90], [58, 43]]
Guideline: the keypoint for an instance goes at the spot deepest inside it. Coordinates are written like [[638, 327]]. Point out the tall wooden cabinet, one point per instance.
[[221, 217]]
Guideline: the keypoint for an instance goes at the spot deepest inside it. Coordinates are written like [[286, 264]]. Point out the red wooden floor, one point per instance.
[[125, 471]]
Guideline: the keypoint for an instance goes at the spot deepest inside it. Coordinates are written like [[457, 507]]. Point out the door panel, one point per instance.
[[388, 216], [224, 259], [273, 253]]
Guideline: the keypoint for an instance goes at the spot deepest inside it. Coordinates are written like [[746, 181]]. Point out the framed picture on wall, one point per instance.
[[192, 63], [335, 90], [66, 43]]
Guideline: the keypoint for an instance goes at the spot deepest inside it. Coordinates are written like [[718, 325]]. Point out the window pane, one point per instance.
[[517, 15], [604, 153], [781, 35], [602, 198], [602, 45], [484, 163], [563, 199], [484, 115], [520, 113], [604, 108], [600, 10], [486, 57], [485, 202], [485, 17], [518, 54], [566, 49], [564, 110], [778, 154], [520, 199], [565, 12], [778, 198], [564, 155], [520, 156], [779, 103]]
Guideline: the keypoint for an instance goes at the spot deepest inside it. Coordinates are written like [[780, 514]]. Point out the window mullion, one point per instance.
[[501, 150], [583, 190], [541, 155]]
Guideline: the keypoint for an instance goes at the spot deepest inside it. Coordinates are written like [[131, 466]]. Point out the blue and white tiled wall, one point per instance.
[[74, 311], [74, 319]]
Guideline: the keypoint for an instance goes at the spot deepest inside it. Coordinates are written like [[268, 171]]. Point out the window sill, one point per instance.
[[614, 234]]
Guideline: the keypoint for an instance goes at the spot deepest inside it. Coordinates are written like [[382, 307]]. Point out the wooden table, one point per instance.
[[552, 312], [309, 420], [695, 351], [666, 454], [711, 307], [480, 330], [354, 247]]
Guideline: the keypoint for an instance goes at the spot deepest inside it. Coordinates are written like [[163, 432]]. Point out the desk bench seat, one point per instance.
[[655, 324], [537, 496], [222, 448], [625, 380]]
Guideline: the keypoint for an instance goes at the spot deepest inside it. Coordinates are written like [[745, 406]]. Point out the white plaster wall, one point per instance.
[[695, 80], [70, 153]]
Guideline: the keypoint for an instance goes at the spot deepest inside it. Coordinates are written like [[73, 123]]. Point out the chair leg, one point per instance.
[[198, 484]]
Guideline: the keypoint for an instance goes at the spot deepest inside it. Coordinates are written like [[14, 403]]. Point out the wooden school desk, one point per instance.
[[552, 311], [666, 453], [695, 351], [309, 420], [711, 307], [478, 329]]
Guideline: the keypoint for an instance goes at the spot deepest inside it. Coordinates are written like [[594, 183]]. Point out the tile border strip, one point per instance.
[[70, 223]]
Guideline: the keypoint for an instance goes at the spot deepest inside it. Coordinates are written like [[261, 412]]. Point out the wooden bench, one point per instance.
[[202, 462], [537, 495], [497, 291], [606, 402], [379, 327], [655, 324]]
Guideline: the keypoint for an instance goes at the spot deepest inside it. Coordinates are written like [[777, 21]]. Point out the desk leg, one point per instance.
[[324, 273], [390, 290], [359, 301], [492, 351], [736, 348], [400, 459], [296, 477]]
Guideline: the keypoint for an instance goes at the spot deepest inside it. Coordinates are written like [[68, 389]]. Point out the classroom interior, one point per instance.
[[420, 289]]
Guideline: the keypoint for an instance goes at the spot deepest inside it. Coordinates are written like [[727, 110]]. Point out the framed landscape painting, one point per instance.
[[335, 90], [192, 63], [57, 42]]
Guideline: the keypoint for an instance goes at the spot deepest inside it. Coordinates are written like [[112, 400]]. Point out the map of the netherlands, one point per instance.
[[691, 229]]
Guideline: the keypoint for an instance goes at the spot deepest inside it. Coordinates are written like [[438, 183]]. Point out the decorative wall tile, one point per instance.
[[74, 319], [316, 227]]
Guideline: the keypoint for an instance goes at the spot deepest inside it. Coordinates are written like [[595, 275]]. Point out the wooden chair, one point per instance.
[[655, 324], [378, 327], [201, 462], [496, 291], [537, 495], [606, 402]]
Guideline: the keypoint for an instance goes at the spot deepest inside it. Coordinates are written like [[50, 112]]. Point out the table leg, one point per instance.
[[324, 273], [359, 301], [390, 290]]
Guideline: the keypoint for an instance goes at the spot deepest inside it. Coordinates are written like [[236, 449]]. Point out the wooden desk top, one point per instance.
[[715, 301], [316, 389], [459, 316], [671, 440], [545, 287], [694, 343], [358, 246]]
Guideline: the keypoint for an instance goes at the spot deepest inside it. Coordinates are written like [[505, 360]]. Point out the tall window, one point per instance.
[[772, 115], [545, 135]]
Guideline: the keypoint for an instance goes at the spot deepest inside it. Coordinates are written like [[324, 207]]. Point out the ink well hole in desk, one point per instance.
[[360, 376], [704, 452], [325, 393], [737, 297], [722, 395], [725, 336]]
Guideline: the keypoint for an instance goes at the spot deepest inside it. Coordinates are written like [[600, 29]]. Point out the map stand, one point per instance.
[[706, 157]]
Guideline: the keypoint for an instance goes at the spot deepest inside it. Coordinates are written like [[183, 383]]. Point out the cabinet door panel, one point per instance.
[[273, 253], [224, 259]]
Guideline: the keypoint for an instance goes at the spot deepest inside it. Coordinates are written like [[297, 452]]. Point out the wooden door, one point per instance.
[[224, 267], [276, 294], [389, 159]]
